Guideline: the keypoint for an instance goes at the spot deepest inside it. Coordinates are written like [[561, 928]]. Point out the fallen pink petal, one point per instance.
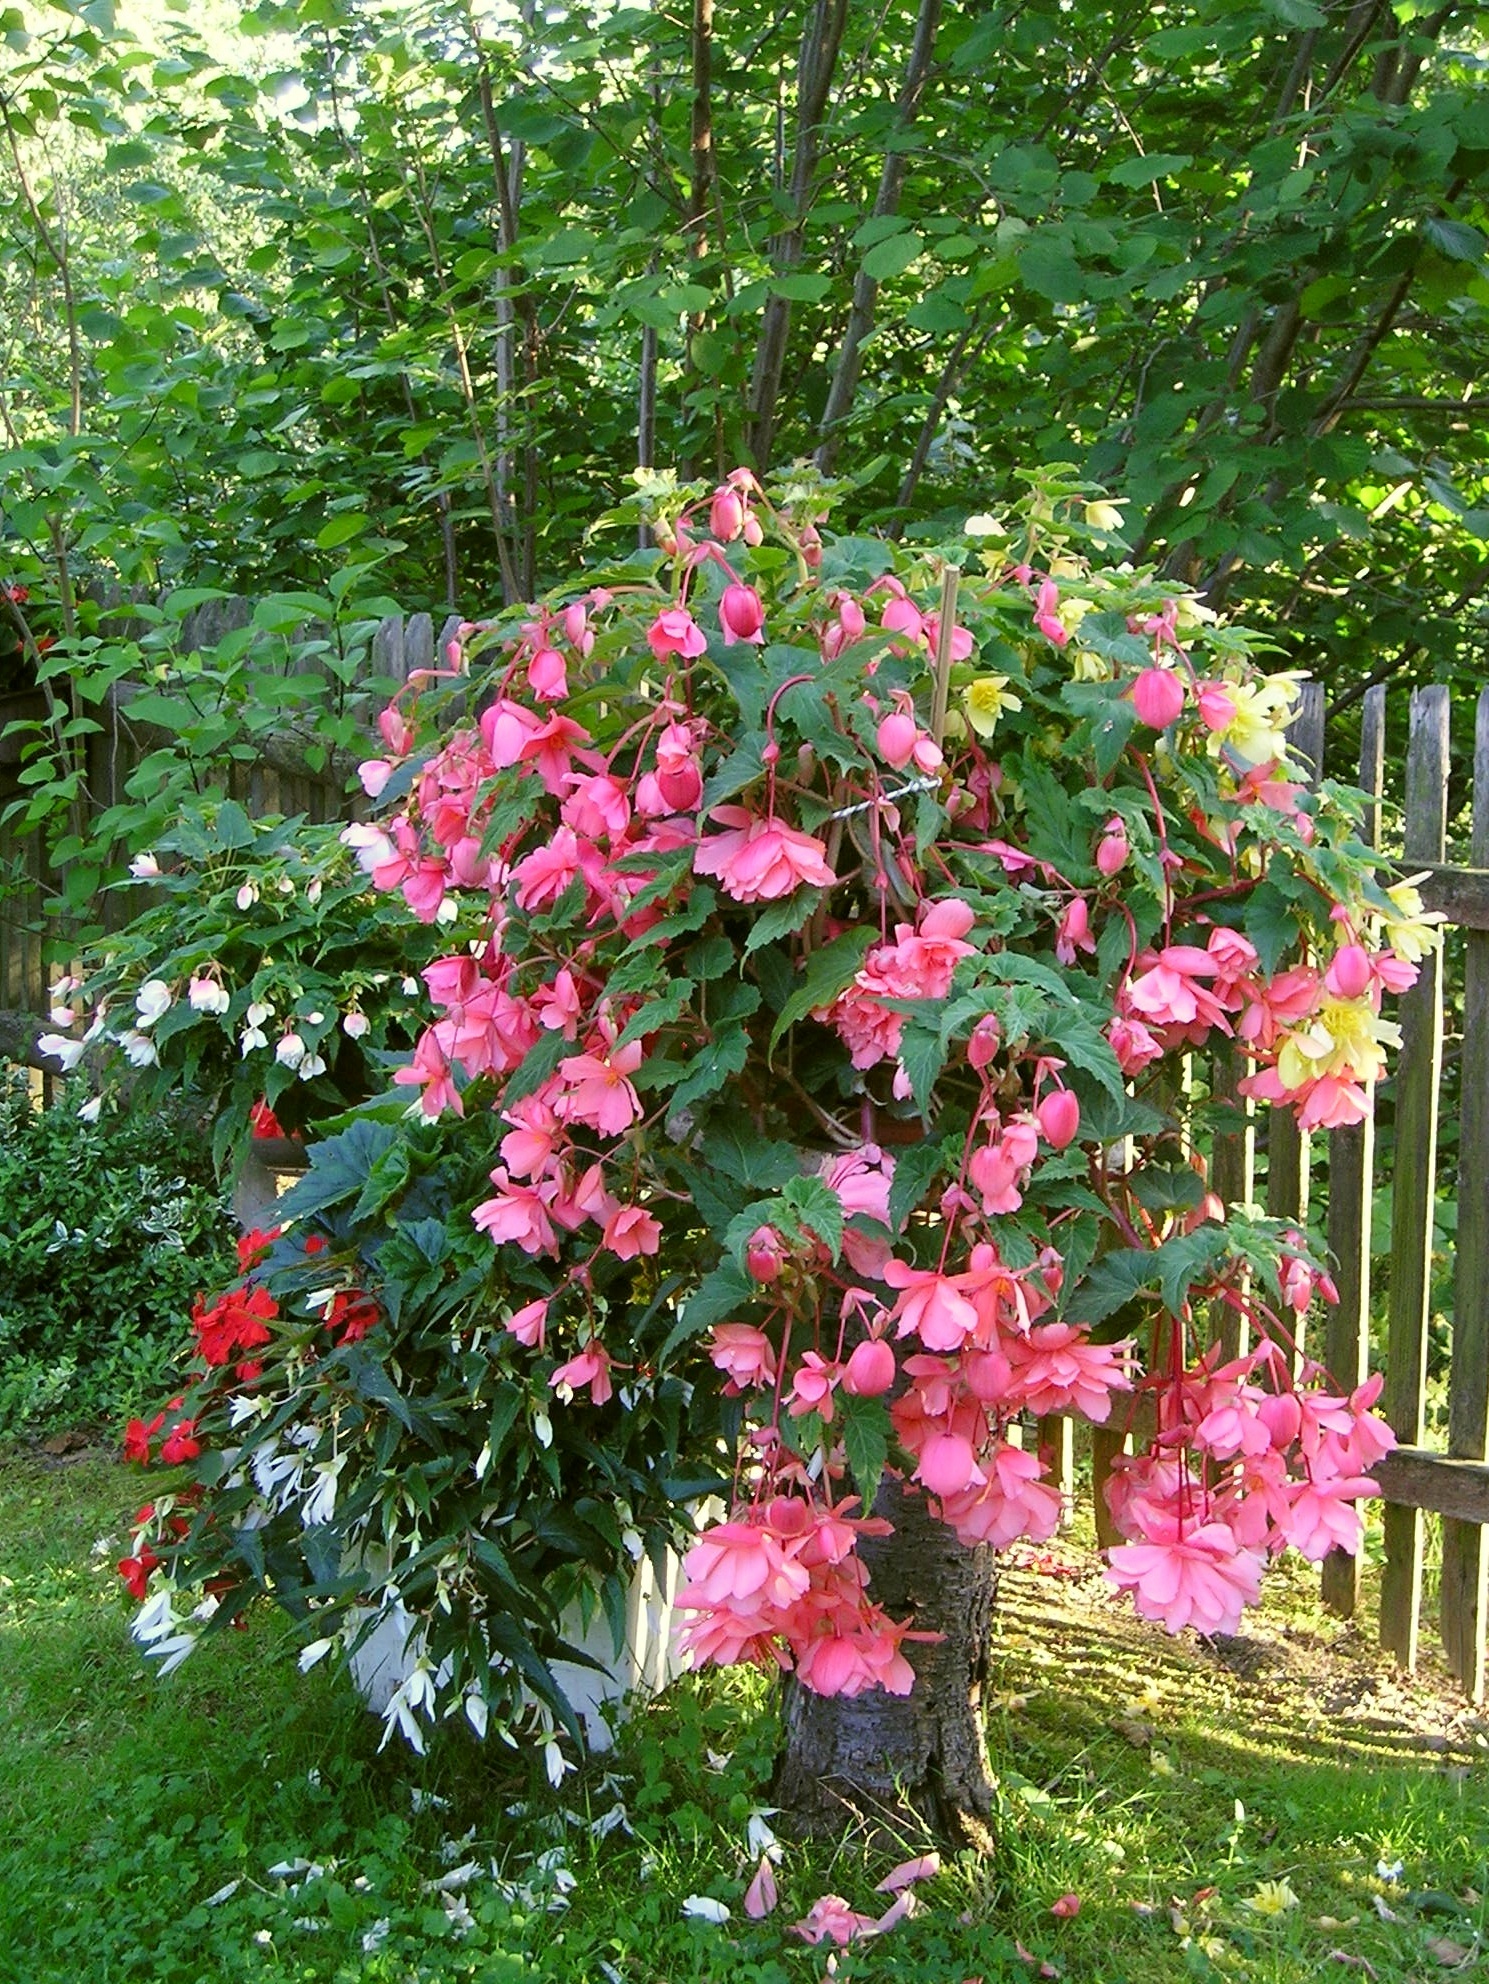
[[761, 1895], [923, 1868]]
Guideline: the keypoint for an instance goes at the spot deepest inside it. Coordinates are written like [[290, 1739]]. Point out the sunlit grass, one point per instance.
[[1184, 1804]]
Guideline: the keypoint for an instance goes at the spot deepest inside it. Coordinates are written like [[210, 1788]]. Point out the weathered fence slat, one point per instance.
[[1419, 1071], [1465, 1559], [1351, 1177]]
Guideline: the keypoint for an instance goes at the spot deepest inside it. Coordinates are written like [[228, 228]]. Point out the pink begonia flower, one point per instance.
[[558, 1006], [1046, 615], [1008, 1505], [1059, 1117], [1056, 1368], [962, 643], [947, 1465], [599, 1092], [543, 875], [742, 616], [1067, 1906], [1112, 850], [931, 1307], [1217, 705], [519, 1214], [1197, 1576], [870, 1370], [374, 774], [902, 616], [587, 1200], [1158, 697], [831, 1920], [529, 1324], [529, 1148], [812, 1387], [759, 859], [984, 1042], [848, 626], [761, 1896], [393, 730], [734, 1562], [547, 675], [550, 750], [1323, 1516], [1349, 973], [598, 807], [1074, 932], [675, 631], [629, 1231], [430, 1071], [590, 1368], [744, 1354], [505, 729]]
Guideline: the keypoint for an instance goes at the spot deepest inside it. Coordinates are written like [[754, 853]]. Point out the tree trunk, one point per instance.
[[885, 1758]]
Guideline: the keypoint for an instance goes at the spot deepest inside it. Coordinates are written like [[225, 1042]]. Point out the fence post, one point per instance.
[[1351, 1179], [1465, 1559], [1419, 1070]]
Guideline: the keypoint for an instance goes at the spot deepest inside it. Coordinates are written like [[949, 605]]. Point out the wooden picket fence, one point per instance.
[[1453, 1483], [281, 781]]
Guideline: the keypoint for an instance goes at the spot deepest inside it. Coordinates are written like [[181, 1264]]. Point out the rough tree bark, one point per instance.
[[885, 1758]]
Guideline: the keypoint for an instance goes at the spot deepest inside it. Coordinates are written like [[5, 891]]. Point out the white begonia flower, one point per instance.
[[476, 1712], [410, 988], [315, 1019], [250, 1038], [258, 1012], [414, 1692], [448, 912], [247, 896], [703, 1908], [57, 1047], [291, 1050], [355, 1024], [310, 1067], [91, 1111], [371, 846], [144, 867], [556, 1765], [153, 998], [62, 1016], [313, 890], [208, 995], [317, 1650], [139, 1049], [320, 1504]]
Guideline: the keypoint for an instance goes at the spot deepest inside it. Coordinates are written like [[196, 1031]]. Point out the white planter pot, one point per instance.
[[643, 1667]]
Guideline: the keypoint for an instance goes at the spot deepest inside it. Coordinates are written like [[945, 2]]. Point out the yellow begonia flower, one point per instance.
[[1104, 516], [1257, 732], [1412, 931], [1087, 666], [983, 526], [1271, 1898], [986, 699], [1071, 612], [1346, 1037]]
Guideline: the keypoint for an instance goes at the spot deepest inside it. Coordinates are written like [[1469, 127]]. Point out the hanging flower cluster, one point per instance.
[[825, 931]]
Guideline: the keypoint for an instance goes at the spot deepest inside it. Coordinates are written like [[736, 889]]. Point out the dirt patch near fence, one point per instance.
[[1296, 1680]]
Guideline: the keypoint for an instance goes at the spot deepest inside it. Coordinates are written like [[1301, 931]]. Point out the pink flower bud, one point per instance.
[[1111, 854], [1217, 706], [1158, 697], [896, 738], [765, 1254], [811, 547], [1059, 1118], [742, 616], [726, 515], [1348, 975], [394, 730], [870, 1370], [984, 1042]]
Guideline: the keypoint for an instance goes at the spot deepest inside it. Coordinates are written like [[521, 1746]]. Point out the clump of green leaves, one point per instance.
[[107, 1231]]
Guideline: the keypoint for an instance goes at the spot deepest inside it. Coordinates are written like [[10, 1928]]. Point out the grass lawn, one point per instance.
[[1220, 1813]]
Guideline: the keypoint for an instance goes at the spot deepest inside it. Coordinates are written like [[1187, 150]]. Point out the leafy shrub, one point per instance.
[[107, 1230]]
